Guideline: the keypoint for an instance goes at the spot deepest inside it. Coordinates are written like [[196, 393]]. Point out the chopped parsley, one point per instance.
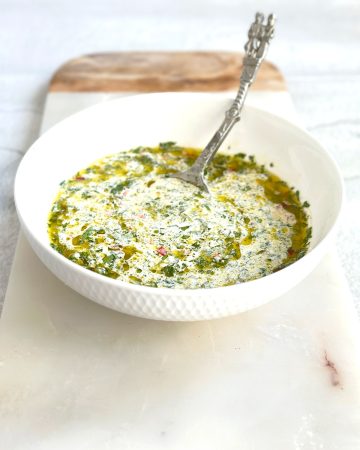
[[124, 218]]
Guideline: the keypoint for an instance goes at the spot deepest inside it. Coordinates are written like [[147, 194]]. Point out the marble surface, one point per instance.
[[76, 375], [317, 48]]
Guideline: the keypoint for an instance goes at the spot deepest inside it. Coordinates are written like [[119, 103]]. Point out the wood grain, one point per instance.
[[159, 72]]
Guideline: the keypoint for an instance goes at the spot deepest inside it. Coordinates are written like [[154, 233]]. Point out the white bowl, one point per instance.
[[188, 119]]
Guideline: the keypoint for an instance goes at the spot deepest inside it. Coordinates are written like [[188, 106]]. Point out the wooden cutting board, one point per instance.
[[75, 375], [159, 72]]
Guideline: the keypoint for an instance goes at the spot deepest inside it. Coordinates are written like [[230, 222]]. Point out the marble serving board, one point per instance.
[[77, 376]]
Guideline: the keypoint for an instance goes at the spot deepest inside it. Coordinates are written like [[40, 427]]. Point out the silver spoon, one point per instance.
[[259, 34]]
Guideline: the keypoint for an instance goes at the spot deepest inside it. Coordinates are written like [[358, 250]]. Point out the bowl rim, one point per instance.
[[180, 291]]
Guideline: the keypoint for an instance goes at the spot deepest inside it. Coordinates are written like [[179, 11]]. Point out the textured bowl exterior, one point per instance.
[[162, 303], [170, 304]]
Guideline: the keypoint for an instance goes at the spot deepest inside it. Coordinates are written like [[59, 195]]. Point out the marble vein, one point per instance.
[[334, 374]]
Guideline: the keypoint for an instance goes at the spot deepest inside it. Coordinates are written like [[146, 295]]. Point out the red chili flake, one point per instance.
[[79, 178], [291, 251], [161, 251]]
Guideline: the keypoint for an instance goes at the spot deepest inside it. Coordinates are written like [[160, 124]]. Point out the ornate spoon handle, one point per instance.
[[259, 34]]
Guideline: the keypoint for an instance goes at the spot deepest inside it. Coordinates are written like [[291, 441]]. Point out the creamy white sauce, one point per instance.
[[163, 232]]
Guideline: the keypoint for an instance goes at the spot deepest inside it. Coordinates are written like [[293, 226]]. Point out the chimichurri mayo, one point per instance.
[[122, 217]]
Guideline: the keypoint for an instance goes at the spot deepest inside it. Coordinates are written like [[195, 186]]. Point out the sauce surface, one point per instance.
[[122, 217]]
